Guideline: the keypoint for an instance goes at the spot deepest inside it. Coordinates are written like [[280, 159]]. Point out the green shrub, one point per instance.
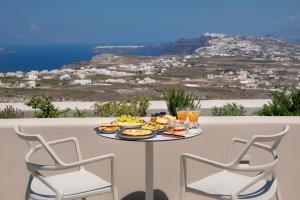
[[79, 113], [180, 98], [229, 109], [136, 106], [284, 103], [45, 107], [11, 112]]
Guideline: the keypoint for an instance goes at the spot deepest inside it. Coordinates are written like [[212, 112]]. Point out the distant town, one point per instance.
[[225, 67]]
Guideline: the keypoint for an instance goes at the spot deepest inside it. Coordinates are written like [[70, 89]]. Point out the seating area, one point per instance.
[[177, 172], [72, 185], [229, 185]]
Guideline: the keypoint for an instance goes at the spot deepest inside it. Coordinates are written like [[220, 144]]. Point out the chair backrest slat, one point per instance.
[[256, 140], [34, 141]]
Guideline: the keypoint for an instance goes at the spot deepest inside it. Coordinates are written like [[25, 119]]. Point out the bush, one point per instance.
[[11, 112], [79, 113], [180, 98], [229, 109], [284, 103], [136, 106], [46, 107]]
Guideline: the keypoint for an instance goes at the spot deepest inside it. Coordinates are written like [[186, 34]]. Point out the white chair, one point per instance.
[[229, 185], [72, 185]]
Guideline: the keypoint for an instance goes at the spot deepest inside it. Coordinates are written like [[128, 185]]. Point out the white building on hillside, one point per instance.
[[31, 84], [32, 77], [65, 77], [10, 74], [82, 82], [115, 81]]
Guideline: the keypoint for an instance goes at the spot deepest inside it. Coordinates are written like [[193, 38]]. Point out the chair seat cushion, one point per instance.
[[73, 183], [224, 183]]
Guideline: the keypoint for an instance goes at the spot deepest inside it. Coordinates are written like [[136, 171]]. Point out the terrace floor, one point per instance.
[[213, 144]]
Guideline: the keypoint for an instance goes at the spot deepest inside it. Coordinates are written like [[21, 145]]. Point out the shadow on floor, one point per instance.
[[139, 195]]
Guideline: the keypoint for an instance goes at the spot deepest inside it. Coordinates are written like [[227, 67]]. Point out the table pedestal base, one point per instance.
[[140, 195]]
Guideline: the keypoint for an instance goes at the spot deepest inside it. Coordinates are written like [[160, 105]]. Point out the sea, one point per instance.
[[39, 57]]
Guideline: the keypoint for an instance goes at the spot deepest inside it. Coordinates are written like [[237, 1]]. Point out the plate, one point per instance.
[[136, 137], [158, 131], [120, 135], [125, 125], [98, 130]]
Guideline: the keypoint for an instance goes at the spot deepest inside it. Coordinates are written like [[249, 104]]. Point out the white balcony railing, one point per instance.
[[213, 144]]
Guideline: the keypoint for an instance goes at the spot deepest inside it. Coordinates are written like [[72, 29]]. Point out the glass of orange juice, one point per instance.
[[182, 114], [193, 116]]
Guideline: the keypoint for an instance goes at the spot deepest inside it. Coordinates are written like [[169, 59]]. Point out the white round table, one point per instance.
[[149, 154]]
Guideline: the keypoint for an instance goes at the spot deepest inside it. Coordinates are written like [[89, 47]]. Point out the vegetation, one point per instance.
[[11, 112], [180, 98], [284, 103], [46, 107], [79, 113], [229, 109], [136, 106]]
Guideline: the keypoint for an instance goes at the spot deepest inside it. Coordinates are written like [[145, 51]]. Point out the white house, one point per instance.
[[115, 81], [10, 74], [44, 72], [31, 84], [82, 82], [65, 77], [32, 77], [19, 74], [54, 71], [47, 77], [146, 81]]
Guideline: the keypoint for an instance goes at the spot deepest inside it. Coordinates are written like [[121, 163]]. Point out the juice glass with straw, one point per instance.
[[193, 116], [182, 114]]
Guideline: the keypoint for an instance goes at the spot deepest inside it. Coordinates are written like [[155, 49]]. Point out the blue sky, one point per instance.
[[135, 21]]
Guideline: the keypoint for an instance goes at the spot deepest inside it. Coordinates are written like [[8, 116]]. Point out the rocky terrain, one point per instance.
[[217, 66], [211, 44], [256, 48], [179, 47]]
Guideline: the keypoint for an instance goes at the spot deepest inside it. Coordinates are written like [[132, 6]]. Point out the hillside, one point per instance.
[[265, 48], [179, 47], [211, 44]]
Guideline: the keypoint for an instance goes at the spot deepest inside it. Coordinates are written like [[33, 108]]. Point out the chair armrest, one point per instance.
[[88, 161], [205, 161], [65, 140]]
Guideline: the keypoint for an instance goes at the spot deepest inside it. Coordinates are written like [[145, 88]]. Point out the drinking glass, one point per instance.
[[182, 114], [193, 116]]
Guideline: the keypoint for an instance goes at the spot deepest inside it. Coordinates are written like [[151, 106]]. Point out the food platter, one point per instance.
[[154, 127], [136, 134], [132, 125], [107, 128], [126, 121]]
